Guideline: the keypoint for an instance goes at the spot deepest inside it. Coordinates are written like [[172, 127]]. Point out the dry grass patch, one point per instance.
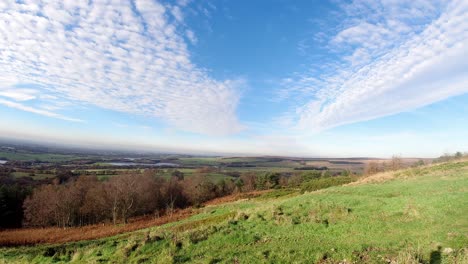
[[411, 172], [53, 235]]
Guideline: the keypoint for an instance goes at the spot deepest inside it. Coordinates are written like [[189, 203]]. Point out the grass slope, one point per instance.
[[412, 216]]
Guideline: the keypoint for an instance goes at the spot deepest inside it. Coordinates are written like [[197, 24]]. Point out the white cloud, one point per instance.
[[177, 13], [37, 110], [394, 58], [191, 36], [19, 94], [115, 55]]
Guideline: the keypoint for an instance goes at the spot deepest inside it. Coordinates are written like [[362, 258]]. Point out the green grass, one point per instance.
[[410, 219]]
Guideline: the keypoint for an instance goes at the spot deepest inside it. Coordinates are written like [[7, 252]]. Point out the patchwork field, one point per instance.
[[416, 215]]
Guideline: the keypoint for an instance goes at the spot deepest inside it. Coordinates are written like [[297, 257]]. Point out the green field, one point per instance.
[[165, 173], [196, 161], [418, 216], [45, 157]]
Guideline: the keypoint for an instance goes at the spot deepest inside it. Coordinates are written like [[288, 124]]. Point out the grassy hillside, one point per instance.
[[413, 216]]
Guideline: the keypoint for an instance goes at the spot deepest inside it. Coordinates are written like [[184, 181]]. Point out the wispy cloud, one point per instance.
[[38, 111], [34, 101], [19, 94], [129, 56], [394, 57]]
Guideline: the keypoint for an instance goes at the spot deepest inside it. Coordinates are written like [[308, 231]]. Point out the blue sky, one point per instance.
[[298, 78]]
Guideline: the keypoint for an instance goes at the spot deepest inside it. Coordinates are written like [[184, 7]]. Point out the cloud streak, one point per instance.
[[128, 56], [38, 111], [394, 58], [18, 94]]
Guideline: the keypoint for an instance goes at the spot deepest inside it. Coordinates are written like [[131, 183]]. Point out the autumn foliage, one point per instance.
[[87, 200]]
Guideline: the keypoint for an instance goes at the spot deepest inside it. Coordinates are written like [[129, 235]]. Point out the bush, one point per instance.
[[267, 181], [311, 175]]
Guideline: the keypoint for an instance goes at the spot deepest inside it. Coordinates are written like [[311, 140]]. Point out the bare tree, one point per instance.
[[39, 207], [199, 188], [174, 196], [372, 168], [95, 207], [123, 196], [396, 163], [249, 179]]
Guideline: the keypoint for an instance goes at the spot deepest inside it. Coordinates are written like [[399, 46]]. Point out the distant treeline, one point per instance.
[[311, 168], [345, 162], [239, 165]]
